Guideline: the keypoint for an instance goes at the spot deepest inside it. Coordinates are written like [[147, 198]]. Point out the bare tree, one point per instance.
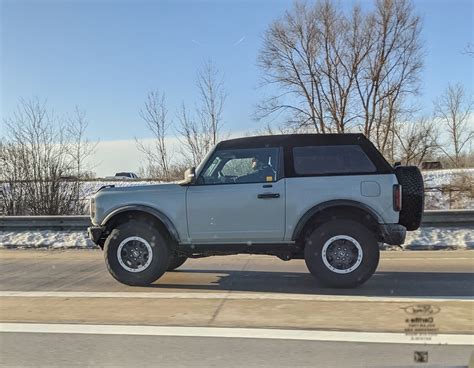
[[296, 57], [196, 137], [390, 72], [40, 162], [212, 95], [155, 115], [80, 150], [417, 141], [336, 71], [268, 129], [199, 131], [80, 147], [453, 111]]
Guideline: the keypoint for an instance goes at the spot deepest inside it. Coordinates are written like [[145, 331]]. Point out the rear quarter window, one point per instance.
[[323, 160]]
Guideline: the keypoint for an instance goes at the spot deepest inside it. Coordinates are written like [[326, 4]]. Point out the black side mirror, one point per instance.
[[398, 163]]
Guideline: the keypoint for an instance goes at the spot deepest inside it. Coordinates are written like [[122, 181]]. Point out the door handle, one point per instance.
[[268, 195]]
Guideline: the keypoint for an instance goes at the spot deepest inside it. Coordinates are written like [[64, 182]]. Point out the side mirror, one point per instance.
[[398, 163], [189, 176]]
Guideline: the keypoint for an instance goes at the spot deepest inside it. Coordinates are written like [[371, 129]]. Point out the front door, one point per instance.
[[239, 197]]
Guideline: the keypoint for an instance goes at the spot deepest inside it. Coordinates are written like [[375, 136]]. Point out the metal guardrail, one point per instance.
[[441, 218], [444, 218], [12, 223]]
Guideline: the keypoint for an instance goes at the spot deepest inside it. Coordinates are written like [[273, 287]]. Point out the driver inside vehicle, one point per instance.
[[262, 171]]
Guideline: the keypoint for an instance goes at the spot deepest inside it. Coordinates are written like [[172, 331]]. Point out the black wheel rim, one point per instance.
[[134, 254]]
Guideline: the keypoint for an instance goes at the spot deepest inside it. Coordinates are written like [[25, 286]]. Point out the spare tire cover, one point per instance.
[[413, 196]]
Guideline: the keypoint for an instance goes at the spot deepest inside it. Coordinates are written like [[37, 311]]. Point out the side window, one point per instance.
[[241, 166], [321, 160], [238, 167]]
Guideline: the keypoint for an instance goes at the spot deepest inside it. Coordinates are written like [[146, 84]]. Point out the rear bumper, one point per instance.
[[392, 234], [95, 233]]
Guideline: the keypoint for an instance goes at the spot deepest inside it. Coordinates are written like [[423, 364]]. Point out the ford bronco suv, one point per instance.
[[329, 199]]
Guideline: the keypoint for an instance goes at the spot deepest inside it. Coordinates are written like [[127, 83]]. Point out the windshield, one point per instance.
[[206, 158]]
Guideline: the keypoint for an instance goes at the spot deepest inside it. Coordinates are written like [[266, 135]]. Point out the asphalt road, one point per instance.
[[56, 350], [400, 273], [241, 294]]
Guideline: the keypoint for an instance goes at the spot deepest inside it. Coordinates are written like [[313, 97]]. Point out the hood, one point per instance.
[[128, 187]]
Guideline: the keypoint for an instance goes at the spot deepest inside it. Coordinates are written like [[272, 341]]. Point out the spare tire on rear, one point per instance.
[[413, 196]]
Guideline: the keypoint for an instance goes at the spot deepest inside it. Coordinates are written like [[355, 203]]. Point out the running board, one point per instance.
[[285, 251]]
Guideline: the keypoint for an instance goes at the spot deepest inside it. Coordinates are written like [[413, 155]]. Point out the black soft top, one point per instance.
[[288, 141], [293, 140]]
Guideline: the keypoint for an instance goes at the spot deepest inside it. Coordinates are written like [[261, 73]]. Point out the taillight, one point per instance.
[[397, 197]]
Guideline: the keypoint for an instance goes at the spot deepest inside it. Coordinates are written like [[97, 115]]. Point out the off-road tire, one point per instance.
[[318, 236], [411, 180], [160, 253], [176, 261]]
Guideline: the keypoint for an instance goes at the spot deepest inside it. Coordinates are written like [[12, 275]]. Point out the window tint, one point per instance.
[[317, 160], [241, 166]]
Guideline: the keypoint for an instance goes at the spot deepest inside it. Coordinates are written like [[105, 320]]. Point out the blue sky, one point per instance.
[[105, 55]]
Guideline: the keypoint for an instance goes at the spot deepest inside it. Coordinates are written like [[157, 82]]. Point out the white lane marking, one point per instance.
[[252, 333], [230, 296]]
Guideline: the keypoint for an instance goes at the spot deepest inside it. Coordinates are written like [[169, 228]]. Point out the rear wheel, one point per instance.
[[136, 253], [341, 253], [176, 261]]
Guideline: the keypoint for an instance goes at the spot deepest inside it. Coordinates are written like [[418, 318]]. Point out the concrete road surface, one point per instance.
[[56, 350], [235, 311]]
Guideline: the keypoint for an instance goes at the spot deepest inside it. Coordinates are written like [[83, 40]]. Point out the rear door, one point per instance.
[[236, 200]]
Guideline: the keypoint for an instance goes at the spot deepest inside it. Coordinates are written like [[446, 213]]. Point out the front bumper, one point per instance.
[[95, 233], [392, 234]]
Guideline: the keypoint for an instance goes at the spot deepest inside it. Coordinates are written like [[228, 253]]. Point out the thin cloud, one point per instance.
[[196, 42], [239, 41]]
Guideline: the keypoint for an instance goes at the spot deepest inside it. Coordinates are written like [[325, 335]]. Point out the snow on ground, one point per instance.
[[45, 239], [436, 237], [441, 189], [424, 238], [438, 178]]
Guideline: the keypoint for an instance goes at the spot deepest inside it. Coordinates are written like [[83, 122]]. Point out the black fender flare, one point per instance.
[[165, 220], [326, 205]]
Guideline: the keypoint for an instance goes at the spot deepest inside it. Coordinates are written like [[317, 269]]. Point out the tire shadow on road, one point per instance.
[[433, 284]]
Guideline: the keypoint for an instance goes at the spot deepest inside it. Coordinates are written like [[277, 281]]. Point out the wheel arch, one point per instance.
[[342, 209], [120, 215]]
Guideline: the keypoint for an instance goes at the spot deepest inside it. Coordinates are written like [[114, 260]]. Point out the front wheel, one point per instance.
[[176, 261], [136, 253], [341, 253]]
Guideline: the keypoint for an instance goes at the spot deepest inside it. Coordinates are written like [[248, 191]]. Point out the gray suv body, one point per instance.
[[329, 199]]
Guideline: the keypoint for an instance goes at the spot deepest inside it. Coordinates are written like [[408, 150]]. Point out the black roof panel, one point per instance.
[[292, 140]]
